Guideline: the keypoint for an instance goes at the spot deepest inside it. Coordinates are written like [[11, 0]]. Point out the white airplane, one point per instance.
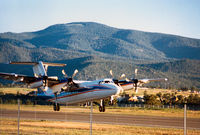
[[67, 90]]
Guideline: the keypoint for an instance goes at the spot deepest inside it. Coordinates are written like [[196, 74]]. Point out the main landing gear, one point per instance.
[[101, 106], [56, 105]]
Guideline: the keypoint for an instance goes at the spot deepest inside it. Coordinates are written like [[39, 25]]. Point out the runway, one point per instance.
[[103, 118]]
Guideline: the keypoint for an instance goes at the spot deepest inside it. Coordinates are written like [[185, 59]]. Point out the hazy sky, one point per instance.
[[180, 17]]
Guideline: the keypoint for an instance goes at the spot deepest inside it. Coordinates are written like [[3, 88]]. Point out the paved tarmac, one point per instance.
[[103, 118]]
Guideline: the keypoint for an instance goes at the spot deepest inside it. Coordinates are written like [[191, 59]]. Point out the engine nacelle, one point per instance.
[[36, 84]]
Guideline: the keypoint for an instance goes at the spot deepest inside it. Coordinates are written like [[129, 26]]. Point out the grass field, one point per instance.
[[9, 126], [15, 90]]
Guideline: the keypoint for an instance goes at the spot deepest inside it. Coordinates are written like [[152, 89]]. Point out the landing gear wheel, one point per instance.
[[110, 103], [102, 109], [56, 107]]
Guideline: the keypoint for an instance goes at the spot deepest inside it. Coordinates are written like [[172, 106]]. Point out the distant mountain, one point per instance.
[[72, 40], [95, 48]]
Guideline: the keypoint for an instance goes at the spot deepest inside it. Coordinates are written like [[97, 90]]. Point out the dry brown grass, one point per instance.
[[9, 126], [15, 90]]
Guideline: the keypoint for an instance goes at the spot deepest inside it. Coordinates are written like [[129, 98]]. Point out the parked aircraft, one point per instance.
[[68, 90]]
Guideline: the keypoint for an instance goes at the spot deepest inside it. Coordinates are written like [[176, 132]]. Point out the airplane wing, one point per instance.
[[32, 81], [17, 77], [151, 80]]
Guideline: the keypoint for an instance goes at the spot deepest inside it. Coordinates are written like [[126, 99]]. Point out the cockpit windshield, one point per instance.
[[105, 81]]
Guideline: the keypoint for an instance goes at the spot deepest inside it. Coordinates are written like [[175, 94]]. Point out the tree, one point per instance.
[[181, 99], [193, 99], [151, 100], [193, 88], [160, 96], [145, 93]]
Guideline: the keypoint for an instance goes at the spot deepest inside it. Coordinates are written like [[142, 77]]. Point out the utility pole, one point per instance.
[[185, 119], [18, 113], [1, 102], [91, 111]]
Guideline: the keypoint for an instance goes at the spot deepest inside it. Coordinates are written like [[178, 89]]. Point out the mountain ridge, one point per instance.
[[101, 40]]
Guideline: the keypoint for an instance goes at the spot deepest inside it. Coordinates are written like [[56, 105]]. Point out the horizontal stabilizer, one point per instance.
[[35, 63]]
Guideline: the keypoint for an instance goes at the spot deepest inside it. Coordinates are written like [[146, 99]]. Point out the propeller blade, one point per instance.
[[63, 72], [75, 72], [13, 83], [122, 76], [111, 73], [136, 88], [136, 70]]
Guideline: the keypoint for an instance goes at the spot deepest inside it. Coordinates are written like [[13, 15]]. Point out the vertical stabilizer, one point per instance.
[[40, 69]]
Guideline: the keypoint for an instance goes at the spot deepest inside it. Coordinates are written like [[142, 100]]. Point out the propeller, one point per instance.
[[122, 76], [70, 79], [73, 75], [135, 84], [116, 81], [134, 81]]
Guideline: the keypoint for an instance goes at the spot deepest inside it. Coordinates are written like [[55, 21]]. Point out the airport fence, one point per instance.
[[189, 107]]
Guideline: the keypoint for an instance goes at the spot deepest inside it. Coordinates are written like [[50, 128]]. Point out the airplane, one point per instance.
[[68, 90]]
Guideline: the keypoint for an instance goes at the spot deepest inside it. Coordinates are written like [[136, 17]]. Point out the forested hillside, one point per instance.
[[180, 74], [95, 48]]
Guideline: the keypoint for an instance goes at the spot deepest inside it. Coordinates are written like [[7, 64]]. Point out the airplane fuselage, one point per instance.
[[90, 90]]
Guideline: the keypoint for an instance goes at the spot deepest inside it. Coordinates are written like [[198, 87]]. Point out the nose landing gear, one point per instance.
[[101, 106]]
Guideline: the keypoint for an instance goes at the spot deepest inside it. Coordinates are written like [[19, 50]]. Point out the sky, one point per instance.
[[178, 17]]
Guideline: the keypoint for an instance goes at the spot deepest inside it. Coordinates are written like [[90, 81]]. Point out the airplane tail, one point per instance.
[[39, 68]]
